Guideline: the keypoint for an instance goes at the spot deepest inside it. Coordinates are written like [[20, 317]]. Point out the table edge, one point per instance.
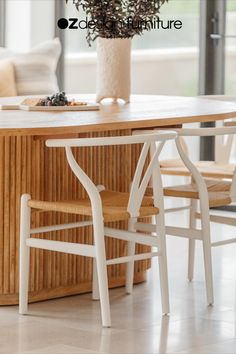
[[111, 126]]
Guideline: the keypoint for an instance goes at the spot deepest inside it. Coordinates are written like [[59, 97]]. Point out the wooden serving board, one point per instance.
[[30, 104], [9, 107]]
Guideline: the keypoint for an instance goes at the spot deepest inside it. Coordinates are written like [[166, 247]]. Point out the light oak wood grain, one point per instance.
[[28, 166], [143, 111]]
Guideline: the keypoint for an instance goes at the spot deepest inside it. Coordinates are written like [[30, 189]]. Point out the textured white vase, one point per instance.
[[113, 69]]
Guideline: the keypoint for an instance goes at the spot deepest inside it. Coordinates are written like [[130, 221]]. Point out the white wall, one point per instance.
[[18, 25], [42, 21], [28, 23], [166, 72]]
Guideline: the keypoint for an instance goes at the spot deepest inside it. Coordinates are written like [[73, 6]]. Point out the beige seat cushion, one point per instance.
[[7, 79]]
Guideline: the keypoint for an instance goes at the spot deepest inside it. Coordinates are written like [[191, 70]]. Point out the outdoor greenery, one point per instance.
[[231, 5], [119, 18]]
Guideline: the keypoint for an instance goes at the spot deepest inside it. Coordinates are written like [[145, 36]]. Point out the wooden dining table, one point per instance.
[[28, 166]]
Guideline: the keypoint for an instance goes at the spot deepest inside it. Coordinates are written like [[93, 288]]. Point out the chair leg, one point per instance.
[[191, 245], [130, 265], [206, 242], [208, 272], [24, 254], [163, 270], [95, 293], [102, 271]]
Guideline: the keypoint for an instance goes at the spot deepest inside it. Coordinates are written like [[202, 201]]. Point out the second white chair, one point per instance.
[[209, 193]]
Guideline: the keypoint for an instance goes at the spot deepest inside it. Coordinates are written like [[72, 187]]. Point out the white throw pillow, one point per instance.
[[35, 71], [7, 79]]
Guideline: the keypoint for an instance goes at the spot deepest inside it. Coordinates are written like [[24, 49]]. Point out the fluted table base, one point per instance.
[[28, 166]]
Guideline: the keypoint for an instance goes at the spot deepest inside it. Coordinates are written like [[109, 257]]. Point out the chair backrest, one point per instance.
[[223, 144], [223, 131], [141, 177]]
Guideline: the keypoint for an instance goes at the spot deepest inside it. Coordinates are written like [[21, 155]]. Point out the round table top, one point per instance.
[[144, 111]]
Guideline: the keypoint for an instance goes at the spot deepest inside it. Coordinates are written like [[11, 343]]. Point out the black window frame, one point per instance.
[[60, 13], [211, 61], [2, 22]]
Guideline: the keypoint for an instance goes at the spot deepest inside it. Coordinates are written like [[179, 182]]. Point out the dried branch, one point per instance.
[[119, 18]]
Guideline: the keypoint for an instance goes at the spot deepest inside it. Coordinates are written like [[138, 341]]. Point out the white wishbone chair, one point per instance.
[[104, 206], [209, 193]]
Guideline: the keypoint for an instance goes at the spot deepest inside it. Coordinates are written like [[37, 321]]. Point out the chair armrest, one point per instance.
[[228, 130], [117, 140]]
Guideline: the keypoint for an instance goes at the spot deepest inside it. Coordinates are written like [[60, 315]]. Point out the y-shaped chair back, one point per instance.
[[141, 177], [101, 210]]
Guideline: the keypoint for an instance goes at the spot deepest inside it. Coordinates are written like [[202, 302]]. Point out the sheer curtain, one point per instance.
[[2, 22]]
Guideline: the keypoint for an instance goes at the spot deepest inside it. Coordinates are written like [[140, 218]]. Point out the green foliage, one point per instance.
[[231, 5], [119, 18]]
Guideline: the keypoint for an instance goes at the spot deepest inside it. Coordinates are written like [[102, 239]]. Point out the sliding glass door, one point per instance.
[[230, 48], [2, 23], [211, 60]]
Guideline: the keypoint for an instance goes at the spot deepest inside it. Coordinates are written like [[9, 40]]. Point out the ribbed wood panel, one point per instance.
[[27, 166]]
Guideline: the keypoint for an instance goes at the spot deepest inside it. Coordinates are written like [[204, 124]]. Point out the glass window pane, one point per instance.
[[188, 36], [75, 39], [186, 11], [231, 48]]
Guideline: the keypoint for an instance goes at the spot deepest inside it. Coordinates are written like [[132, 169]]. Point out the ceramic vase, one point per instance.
[[113, 69]]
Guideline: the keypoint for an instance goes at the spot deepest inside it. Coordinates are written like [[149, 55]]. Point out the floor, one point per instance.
[[72, 325]]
